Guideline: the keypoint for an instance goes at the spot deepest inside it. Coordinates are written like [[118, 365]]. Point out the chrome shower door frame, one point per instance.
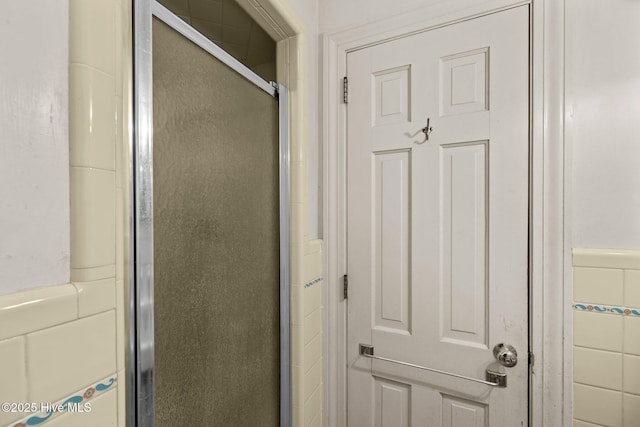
[[140, 364]]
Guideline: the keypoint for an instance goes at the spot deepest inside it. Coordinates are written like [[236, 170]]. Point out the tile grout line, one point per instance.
[[319, 384], [77, 300], [24, 334], [26, 368], [599, 387], [91, 68], [624, 299], [92, 168], [582, 347]]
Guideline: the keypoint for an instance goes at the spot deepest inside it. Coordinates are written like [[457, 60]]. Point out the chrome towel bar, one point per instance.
[[494, 379]]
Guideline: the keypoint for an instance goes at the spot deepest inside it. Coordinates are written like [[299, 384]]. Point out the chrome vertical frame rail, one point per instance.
[[286, 407], [140, 378], [141, 397]]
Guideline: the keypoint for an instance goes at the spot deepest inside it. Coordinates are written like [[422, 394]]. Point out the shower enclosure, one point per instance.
[[209, 313]]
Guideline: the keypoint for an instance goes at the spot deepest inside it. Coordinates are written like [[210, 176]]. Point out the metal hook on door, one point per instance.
[[426, 130]]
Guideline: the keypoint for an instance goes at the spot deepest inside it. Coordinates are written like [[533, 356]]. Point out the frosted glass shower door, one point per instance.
[[215, 241]]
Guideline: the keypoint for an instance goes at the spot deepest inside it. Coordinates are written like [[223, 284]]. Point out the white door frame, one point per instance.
[[549, 246]]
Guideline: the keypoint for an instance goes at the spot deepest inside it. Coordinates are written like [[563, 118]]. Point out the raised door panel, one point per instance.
[[464, 242], [392, 403], [392, 238]]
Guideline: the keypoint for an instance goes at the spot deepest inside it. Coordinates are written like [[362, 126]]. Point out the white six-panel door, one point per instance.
[[437, 246]]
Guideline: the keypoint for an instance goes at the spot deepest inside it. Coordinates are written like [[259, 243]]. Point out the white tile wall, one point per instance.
[[601, 285], [632, 288], [313, 406], [578, 423], [93, 273], [297, 348], [608, 372], [632, 375], [631, 413], [66, 358], [35, 309], [606, 354], [120, 230], [312, 379], [96, 297], [121, 326], [297, 310], [307, 359], [93, 209], [312, 352], [317, 421], [597, 405], [92, 117], [594, 330], [13, 375], [632, 335], [92, 34], [122, 399], [54, 351]]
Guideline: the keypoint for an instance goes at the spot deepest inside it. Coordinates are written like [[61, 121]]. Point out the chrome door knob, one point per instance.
[[506, 355]]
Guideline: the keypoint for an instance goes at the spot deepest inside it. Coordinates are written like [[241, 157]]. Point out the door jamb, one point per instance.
[[549, 246]]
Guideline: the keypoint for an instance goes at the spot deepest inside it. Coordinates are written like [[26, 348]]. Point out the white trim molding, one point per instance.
[[550, 245], [550, 256]]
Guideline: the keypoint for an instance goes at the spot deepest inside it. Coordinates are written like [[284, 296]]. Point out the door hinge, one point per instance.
[[531, 359], [345, 90], [345, 286]]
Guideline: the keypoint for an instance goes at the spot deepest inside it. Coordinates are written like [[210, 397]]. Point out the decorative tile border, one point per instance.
[[594, 308], [51, 410], [313, 282]]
